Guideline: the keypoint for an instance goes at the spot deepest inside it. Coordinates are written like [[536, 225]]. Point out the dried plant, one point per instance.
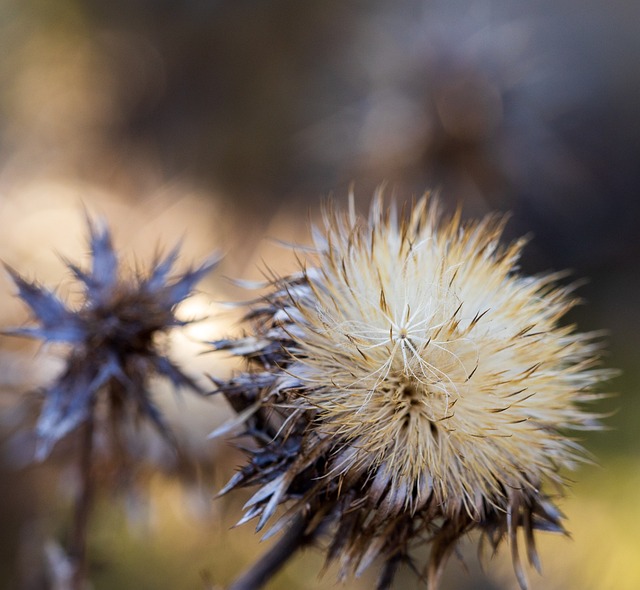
[[113, 353], [407, 386]]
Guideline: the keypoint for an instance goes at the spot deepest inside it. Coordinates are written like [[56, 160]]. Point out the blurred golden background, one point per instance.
[[224, 123]]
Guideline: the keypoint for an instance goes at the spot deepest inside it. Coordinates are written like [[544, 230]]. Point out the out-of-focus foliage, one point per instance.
[[224, 121]]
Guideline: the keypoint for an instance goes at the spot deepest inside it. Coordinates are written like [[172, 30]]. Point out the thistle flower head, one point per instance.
[[112, 335], [424, 385]]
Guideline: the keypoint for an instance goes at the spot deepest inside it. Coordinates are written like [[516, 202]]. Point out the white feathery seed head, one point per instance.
[[442, 369], [423, 387]]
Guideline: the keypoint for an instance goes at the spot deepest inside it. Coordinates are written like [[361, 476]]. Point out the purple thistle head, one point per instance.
[[112, 336]]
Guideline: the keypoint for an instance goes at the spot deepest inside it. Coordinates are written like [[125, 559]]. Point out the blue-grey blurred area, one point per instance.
[[219, 122]]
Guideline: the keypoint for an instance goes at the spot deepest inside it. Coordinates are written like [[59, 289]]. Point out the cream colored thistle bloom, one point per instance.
[[410, 385]]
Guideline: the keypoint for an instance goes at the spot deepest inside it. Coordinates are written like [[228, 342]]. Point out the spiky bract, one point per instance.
[[411, 384], [112, 336]]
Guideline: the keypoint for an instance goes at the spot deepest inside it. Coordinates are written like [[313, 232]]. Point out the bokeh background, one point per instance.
[[224, 123]]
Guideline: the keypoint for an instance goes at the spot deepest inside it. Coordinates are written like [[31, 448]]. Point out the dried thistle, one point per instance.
[[112, 336], [410, 386], [113, 352]]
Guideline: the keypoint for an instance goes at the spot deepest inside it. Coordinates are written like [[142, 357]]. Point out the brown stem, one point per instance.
[[270, 563], [84, 504]]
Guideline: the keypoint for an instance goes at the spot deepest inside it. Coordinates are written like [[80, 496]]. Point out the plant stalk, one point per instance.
[[83, 507], [273, 560]]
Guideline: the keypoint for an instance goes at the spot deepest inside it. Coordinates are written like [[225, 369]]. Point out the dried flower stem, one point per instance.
[[294, 539], [84, 505]]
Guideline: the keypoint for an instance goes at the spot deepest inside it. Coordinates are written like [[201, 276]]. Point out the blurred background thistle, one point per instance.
[[114, 351], [225, 121], [113, 338]]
